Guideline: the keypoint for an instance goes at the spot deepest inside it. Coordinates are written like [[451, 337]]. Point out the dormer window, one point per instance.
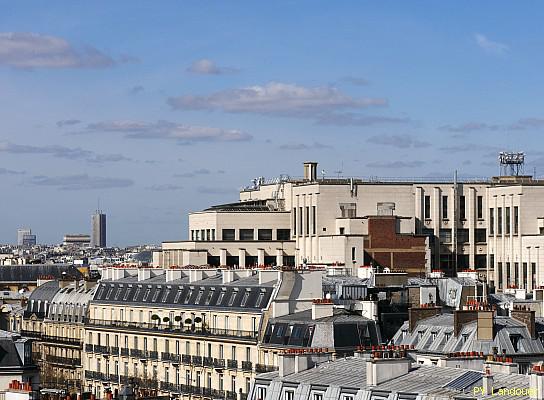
[[514, 339]]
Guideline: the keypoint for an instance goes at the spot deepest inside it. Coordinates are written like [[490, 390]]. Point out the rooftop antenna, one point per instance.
[[98, 204], [323, 174], [511, 163], [340, 171]]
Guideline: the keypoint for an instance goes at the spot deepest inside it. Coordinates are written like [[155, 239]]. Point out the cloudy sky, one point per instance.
[[162, 108]]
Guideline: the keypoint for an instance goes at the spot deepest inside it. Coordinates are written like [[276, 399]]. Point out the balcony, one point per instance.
[[247, 365], [98, 348], [207, 361], [64, 361], [136, 353], [196, 360], [219, 363], [62, 340], [186, 359], [261, 368], [89, 348], [174, 358], [152, 355], [197, 390], [232, 364], [114, 350], [193, 331], [31, 334], [124, 352]]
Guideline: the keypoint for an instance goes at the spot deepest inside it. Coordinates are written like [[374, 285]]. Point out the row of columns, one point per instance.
[[242, 257]]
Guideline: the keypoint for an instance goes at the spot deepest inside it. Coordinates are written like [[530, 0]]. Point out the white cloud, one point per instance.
[[32, 50], [70, 153], [489, 45], [400, 141], [279, 99], [208, 67], [81, 182], [169, 130]]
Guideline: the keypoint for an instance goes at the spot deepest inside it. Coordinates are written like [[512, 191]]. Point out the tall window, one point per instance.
[[462, 208], [507, 220], [491, 221], [427, 206], [294, 221], [479, 207], [300, 215], [516, 220], [314, 220], [307, 228], [499, 220], [444, 207]]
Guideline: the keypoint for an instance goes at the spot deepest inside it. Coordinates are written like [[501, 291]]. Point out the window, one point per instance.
[[491, 221], [507, 220], [213, 234], [300, 222], [233, 353], [221, 355], [318, 396], [314, 220], [444, 207], [479, 207], [221, 384], [353, 254], [220, 297], [307, 228], [248, 354], [348, 210], [260, 299], [227, 234], [294, 221], [244, 299], [146, 294], [246, 234], [233, 384], [209, 297], [189, 293], [499, 220], [289, 395], [445, 235], [264, 234], [462, 208], [427, 207], [178, 295], [261, 392], [342, 231], [187, 347], [165, 295], [199, 297], [283, 234], [156, 295], [516, 220], [232, 297], [480, 234], [462, 235]]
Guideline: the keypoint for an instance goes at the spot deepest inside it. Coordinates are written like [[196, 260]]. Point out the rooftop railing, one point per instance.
[[145, 326]]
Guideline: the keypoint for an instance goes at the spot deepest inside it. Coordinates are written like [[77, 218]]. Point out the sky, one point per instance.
[[158, 109]]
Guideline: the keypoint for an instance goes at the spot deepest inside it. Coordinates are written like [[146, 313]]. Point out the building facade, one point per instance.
[[494, 225]]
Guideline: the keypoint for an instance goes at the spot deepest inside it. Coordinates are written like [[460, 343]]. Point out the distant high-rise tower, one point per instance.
[[25, 237], [98, 222]]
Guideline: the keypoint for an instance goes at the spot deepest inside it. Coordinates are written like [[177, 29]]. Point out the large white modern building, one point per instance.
[[494, 225]]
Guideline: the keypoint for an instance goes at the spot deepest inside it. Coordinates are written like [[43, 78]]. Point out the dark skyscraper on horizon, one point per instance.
[[98, 225]]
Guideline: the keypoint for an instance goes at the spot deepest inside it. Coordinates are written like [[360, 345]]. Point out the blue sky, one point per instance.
[[162, 108]]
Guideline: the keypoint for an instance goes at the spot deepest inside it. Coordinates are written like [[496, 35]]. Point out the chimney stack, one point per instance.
[[310, 171], [416, 314], [526, 317]]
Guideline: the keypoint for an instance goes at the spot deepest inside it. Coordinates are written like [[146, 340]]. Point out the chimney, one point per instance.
[[322, 308], [526, 317], [89, 283], [310, 171], [536, 383], [173, 274], [462, 317], [485, 325], [416, 314], [294, 361], [487, 383], [379, 370]]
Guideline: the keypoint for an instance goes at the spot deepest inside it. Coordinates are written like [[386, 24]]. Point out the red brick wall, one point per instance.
[[384, 241]]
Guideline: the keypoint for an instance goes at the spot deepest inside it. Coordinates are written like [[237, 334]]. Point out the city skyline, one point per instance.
[[169, 110]]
